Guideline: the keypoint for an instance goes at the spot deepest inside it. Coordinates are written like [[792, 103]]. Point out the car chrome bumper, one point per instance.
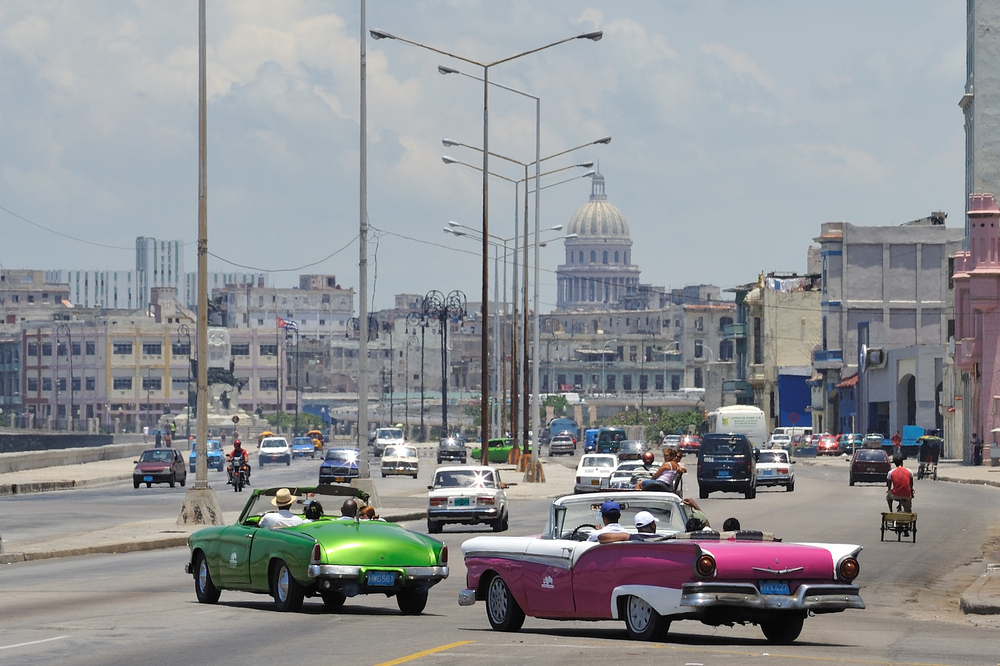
[[822, 598], [467, 598], [462, 515], [352, 573]]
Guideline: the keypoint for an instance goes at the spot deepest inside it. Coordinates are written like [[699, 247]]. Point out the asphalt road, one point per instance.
[[141, 606]]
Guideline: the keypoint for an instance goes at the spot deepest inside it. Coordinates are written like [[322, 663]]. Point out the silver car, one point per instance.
[[562, 443]]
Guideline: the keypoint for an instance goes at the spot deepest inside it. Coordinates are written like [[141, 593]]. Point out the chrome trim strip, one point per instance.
[[352, 572], [777, 571], [417, 573], [556, 561]]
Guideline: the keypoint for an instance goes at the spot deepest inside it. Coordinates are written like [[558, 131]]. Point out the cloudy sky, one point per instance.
[[738, 128]]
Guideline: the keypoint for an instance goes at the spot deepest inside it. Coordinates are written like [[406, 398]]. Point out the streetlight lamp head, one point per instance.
[[558, 227], [606, 140], [569, 236], [450, 143], [381, 34], [447, 70], [588, 174], [593, 36], [585, 165], [447, 160], [453, 223]]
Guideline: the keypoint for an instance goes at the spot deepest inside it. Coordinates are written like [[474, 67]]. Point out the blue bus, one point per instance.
[[558, 425]]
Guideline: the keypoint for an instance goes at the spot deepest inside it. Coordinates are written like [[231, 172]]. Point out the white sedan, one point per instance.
[[467, 495], [775, 469], [400, 460], [594, 471]]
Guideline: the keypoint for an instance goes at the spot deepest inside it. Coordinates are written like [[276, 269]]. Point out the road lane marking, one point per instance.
[[418, 655], [44, 640]]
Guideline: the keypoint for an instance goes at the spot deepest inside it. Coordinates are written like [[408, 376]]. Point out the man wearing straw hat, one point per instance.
[[283, 517]]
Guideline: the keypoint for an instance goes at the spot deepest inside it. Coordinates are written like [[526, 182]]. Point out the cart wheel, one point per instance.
[[914, 532]]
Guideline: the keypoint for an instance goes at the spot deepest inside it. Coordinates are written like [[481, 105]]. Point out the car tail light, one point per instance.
[[849, 568], [705, 565], [438, 501], [782, 470], [487, 501], [578, 479], [444, 556], [317, 553]]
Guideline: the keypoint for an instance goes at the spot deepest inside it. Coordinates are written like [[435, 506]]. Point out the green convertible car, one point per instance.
[[333, 558], [499, 450]]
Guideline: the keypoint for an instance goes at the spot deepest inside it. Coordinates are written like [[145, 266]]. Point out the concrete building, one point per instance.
[[115, 290], [894, 283], [28, 294], [157, 264], [217, 281], [320, 308]]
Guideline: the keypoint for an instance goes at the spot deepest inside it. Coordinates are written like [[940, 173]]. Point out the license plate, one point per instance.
[[723, 473], [381, 578], [767, 472], [338, 479], [461, 501], [595, 482], [773, 587], [147, 478]]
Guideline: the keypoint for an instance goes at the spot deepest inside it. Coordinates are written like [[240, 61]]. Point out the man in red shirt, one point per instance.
[[900, 482]]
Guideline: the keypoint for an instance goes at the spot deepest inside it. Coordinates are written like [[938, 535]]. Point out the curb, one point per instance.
[[46, 486], [977, 600], [971, 482], [117, 547]]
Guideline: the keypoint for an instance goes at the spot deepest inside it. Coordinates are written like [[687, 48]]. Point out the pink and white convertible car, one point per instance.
[[718, 579]]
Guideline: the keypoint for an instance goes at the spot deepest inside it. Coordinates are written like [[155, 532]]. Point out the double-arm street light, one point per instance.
[[381, 34]]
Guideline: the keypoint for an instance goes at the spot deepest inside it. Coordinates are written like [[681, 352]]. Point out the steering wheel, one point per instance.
[[575, 535]]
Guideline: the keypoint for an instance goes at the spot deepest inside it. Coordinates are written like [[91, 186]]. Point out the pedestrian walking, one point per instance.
[[977, 449], [159, 439]]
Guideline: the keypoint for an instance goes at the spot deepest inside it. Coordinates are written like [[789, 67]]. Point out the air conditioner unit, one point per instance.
[[876, 358]]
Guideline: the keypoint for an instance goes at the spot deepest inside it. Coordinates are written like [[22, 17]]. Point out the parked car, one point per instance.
[[775, 469], [216, 456], [387, 437], [850, 441], [400, 460], [274, 449], [339, 466], [594, 472], [778, 440], [302, 447], [874, 440], [159, 466], [726, 463], [451, 449], [689, 444], [564, 442], [328, 557], [468, 495], [870, 465], [742, 578], [671, 442], [827, 445], [631, 449]]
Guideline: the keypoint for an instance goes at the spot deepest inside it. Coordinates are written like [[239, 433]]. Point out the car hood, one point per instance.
[[152, 466], [371, 542]]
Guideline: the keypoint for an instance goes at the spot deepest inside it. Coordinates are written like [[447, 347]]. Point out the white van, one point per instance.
[[740, 420]]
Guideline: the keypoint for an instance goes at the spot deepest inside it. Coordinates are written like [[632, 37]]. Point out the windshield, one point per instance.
[[274, 444], [597, 461], [390, 433], [401, 452], [724, 447], [670, 517], [872, 455], [341, 455], [163, 455], [773, 457], [302, 441], [213, 445], [462, 478]]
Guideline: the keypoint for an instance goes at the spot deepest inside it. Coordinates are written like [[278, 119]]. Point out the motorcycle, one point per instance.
[[237, 473]]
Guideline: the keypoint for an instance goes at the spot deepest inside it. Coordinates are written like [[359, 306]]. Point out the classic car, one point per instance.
[[621, 478], [689, 444], [216, 456], [594, 471], [274, 449], [716, 578], [159, 466], [302, 447], [400, 460], [499, 450], [775, 469], [631, 449], [467, 495], [778, 440], [827, 445], [387, 437], [332, 558], [338, 465], [849, 441], [869, 465], [564, 442], [452, 449]]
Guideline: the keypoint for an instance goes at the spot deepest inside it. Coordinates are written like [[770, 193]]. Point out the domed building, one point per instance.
[[598, 272]]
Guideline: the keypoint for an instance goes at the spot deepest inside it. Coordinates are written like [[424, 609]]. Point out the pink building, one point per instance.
[[977, 318]]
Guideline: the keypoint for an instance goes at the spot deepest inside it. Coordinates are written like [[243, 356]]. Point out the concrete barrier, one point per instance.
[[15, 462]]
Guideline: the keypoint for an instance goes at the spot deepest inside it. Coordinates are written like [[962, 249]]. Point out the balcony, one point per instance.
[[734, 331], [828, 359]]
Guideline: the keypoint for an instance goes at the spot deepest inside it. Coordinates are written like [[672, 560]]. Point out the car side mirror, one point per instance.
[[794, 461], [430, 487], [135, 462]]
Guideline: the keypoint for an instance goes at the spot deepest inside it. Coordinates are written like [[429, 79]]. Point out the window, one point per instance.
[[91, 384], [76, 348], [122, 349], [33, 384], [46, 384], [242, 349], [675, 382], [268, 384], [627, 382], [758, 342], [179, 383], [605, 257], [322, 322], [32, 349], [699, 348], [593, 256], [152, 349], [269, 350], [616, 256], [581, 257], [152, 383], [31, 298], [46, 349], [122, 383], [61, 384], [91, 348], [180, 348], [61, 349], [326, 298], [260, 322]]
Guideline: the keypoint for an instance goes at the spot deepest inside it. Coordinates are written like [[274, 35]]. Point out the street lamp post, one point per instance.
[[183, 330], [646, 337], [417, 319], [484, 351], [64, 330], [604, 372]]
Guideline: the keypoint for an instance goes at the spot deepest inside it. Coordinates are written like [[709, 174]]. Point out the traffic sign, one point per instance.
[[236, 419], [793, 417]]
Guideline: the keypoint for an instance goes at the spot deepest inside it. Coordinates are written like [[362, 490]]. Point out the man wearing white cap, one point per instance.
[[283, 517], [645, 525]]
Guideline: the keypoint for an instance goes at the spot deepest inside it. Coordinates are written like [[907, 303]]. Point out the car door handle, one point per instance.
[[249, 536]]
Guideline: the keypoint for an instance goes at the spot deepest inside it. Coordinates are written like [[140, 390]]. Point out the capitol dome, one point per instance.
[[597, 218]]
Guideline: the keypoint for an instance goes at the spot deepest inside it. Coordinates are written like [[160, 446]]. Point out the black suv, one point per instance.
[[451, 449], [726, 462]]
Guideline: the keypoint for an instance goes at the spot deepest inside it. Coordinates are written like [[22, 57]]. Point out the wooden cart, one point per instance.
[[902, 523]]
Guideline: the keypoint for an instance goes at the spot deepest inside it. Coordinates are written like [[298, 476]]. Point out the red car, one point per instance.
[[827, 445], [689, 444], [869, 465]]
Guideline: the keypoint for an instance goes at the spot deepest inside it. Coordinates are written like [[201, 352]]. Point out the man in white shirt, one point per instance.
[[283, 517], [611, 513]]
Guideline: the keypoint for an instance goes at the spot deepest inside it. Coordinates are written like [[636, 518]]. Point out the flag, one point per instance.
[[290, 324]]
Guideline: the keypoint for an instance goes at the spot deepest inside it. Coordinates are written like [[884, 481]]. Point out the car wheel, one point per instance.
[[790, 487], [411, 600], [439, 461], [641, 620], [172, 480], [149, 485], [433, 526], [506, 522], [184, 480], [383, 475], [333, 600], [782, 629], [498, 524], [287, 593], [501, 608], [135, 483], [204, 588], [288, 461], [702, 494], [750, 492]]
